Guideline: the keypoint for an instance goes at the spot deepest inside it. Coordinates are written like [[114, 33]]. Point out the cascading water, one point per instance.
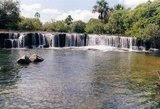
[[74, 40], [12, 40], [25, 40], [41, 40], [21, 40], [94, 40], [66, 40], [128, 43]]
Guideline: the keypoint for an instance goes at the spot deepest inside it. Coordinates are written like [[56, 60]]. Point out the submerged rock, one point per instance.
[[24, 60], [35, 58]]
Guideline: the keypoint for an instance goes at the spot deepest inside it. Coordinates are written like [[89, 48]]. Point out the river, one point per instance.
[[79, 79]]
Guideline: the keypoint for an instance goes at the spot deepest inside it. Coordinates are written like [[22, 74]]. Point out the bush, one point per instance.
[[30, 24], [78, 27], [117, 22], [108, 29], [58, 26], [94, 26]]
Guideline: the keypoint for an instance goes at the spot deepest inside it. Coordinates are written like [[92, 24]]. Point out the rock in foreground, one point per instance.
[[35, 58], [24, 60]]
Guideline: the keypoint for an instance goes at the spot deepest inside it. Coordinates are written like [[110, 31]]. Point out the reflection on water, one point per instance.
[[79, 79]]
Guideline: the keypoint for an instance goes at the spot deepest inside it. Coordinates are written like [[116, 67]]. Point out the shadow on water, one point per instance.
[[8, 73], [8, 68]]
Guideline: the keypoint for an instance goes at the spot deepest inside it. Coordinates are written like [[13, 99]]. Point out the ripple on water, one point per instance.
[[79, 79]]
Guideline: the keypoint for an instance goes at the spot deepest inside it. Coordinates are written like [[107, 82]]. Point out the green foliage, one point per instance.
[[58, 26], [94, 26], [61, 27], [144, 20], [78, 27], [151, 31], [30, 24], [9, 14], [116, 22], [108, 28]]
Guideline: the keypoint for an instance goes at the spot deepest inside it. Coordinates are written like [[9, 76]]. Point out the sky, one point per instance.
[[60, 9]]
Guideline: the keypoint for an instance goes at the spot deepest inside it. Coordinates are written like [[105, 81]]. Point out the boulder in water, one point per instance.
[[24, 60], [35, 58]]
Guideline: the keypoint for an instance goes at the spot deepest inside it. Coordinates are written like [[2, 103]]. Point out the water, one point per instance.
[[50, 40], [79, 79]]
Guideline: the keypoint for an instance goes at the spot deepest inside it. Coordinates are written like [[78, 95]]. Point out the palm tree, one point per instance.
[[69, 20], [37, 15], [119, 7], [103, 9]]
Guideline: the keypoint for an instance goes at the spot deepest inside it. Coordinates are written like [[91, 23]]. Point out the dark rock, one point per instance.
[[24, 60], [35, 58]]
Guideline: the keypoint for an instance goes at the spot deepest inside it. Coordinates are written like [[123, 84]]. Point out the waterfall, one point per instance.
[[11, 41], [67, 40], [126, 42], [43, 40], [111, 41], [104, 40]]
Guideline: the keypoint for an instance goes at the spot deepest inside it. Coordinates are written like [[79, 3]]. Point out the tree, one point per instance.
[[94, 26], [69, 20], [9, 14], [37, 15], [58, 26], [117, 21], [30, 24], [103, 9], [119, 7], [78, 27], [141, 17]]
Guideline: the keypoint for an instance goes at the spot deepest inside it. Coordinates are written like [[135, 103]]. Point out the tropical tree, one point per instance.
[[103, 9], [9, 14], [69, 20], [117, 23], [141, 17], [119, 7]]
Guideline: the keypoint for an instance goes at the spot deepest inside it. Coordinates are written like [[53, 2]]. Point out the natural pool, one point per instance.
[[79, 79]]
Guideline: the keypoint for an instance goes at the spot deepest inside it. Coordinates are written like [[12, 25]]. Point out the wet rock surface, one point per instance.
[[24, 60], [35, 58]]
